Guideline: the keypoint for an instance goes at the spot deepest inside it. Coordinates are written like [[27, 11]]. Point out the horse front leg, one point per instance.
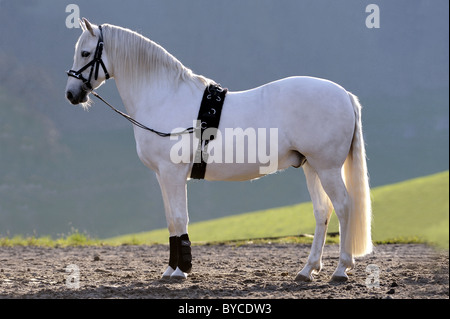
[[173, 258], [174, 194]]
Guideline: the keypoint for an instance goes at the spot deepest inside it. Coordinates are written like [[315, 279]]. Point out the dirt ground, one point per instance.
[[257, 271]]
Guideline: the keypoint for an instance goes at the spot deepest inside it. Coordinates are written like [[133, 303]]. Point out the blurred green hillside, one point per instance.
[[413, 210]]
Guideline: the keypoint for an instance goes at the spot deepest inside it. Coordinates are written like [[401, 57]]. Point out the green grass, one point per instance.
[[74, 238], [418, 208], [412, 211]]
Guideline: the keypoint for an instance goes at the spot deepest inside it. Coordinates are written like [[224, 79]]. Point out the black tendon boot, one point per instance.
[[184, 253], [173, 257]]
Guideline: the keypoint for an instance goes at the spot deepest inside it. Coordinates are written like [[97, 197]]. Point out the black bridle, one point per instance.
[[94, 64]]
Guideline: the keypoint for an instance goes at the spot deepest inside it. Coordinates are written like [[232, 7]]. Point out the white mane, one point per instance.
[[139, 58]]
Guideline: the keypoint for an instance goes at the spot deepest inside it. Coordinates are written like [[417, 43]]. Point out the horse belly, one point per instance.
[[249, 162]]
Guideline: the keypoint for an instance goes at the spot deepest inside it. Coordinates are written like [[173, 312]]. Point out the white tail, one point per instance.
[[358, 240]]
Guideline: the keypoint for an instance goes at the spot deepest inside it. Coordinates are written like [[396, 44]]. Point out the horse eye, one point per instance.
[[85, 54]]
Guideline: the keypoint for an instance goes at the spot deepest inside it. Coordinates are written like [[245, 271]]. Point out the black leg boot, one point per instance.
[[184, 253]]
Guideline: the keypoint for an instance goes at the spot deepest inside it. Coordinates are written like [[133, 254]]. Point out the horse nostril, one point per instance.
[[69, 95]]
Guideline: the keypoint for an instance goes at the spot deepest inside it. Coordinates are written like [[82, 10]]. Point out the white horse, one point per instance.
[[318, 124]]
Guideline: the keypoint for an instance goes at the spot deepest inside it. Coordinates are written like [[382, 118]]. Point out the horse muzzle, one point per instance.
[[77, 96]]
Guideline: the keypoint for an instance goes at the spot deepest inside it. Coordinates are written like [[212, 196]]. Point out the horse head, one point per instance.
[[85, 74]]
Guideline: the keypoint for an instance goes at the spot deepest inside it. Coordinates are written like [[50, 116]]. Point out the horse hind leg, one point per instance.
[[334, 186], [322, 212]]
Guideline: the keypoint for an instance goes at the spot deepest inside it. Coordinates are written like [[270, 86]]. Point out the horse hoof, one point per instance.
[[303, 278], [169, 271], [178, 274]]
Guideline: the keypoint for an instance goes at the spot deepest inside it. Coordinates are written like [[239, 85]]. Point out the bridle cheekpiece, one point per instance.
[[94, 64]]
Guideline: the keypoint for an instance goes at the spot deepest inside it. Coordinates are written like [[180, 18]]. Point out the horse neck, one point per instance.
[[133, 93], [155, 96]]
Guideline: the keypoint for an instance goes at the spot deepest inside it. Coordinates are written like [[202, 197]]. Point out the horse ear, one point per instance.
[[82, 24], [88, 26]]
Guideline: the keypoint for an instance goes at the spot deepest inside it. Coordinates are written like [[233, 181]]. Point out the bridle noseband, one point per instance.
[[94, 64]]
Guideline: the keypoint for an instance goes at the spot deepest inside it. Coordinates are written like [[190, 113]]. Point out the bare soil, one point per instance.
[[260, 271]]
